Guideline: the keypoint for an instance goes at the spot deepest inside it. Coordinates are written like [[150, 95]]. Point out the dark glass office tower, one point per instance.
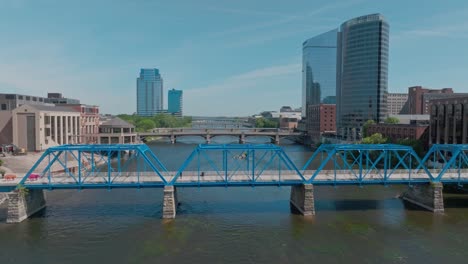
[[319, 70], [362, 73]]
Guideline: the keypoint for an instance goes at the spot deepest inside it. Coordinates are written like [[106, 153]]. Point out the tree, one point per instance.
[[265, 123], [376, 138], [391, 120], [366, 126], [145, 125]]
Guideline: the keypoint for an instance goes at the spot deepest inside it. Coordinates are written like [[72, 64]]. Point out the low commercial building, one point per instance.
[[57, 98], [288, 123], [321, 119], [449, 121], [113, 130], [38, 127], [396, 132], [8, 102]]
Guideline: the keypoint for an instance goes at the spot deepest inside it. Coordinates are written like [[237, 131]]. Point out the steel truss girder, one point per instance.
[[90, 160], [364, 164]]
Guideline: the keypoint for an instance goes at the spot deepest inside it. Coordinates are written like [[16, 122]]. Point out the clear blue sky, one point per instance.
[[230, 57]]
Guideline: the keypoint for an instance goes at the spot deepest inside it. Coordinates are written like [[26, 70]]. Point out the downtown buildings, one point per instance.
[[36, 123], [149, 92], [347, 67], [175, 102]]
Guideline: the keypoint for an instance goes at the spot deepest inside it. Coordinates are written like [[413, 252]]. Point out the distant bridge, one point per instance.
[[136, 166], [173, 133]]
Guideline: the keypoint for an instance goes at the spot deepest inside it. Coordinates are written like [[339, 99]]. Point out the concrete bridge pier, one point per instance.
[[428, 196], [242, 139], [302, 199], [170, 202], [24, 205], [208, 139], [173, 139], [276, 140]]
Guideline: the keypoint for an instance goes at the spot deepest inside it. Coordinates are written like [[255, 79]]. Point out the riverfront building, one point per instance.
[[149, 92], [319, 70], [321, 120], [449, 121], [419, 99], [38, 127], [362, 73], [113, 130], [175, 102]]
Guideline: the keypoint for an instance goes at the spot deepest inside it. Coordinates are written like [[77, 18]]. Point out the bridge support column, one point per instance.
[[170, 202], [22, 206], [277, 139], [173, 139], [242, 139], [302, 199], [427, 196], [208, 139]]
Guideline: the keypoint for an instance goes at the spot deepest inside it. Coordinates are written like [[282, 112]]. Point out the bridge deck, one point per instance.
[[233, 178]]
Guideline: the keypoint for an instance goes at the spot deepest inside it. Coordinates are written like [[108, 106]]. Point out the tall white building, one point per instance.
[[149, 92], [396, 102]]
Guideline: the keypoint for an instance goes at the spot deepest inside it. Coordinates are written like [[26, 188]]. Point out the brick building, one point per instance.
[[449, 121], [398, 131], [321, 118], [420, 97]]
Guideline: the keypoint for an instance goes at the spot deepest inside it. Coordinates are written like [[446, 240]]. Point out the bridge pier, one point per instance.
[[208, 139], [242, 139], [277, 139], [173, 139], [302, 199], [170, 202], [22, 206], [428, 196]]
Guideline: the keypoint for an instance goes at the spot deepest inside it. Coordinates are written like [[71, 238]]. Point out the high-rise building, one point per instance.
[[362, 71], [396, 102], [149, 92], [319, 70], [175, 102]]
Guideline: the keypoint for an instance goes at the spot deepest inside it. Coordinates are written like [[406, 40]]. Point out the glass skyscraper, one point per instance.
[[319, 70], [362, 70], [174, 99], [149, 92]]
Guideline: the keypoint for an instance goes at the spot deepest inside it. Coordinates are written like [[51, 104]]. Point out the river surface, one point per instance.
[[236, 225]]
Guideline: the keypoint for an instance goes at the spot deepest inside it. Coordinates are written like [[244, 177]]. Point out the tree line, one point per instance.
[[146, 123]]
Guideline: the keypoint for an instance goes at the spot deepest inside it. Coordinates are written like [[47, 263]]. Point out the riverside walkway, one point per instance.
[[136, 166]]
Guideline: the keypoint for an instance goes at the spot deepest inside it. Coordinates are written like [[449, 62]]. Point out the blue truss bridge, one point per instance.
[[136, 166]]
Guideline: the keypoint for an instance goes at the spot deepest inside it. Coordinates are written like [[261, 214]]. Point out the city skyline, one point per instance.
[[252, 51]]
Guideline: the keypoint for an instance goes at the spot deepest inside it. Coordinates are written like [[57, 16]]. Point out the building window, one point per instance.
[[28, 98], [4, 107], [10, 96], [20, 97], [34, 99]]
